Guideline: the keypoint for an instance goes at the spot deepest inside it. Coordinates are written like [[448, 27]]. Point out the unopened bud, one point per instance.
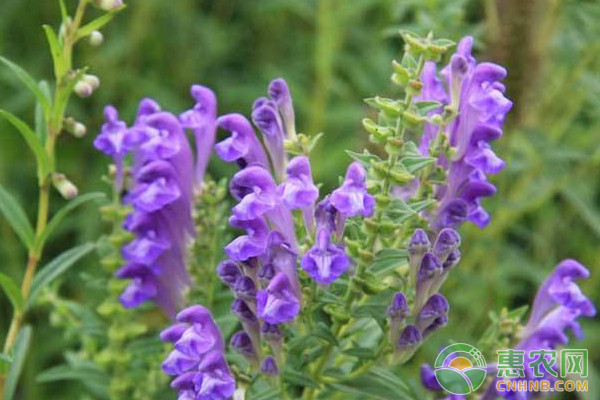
[[91, 80], [96, 38], [74, 127], [83, 89], [108, 5], [64, 186]]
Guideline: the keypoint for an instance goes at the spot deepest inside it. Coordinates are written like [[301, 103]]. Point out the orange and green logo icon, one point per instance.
[[460, 368]]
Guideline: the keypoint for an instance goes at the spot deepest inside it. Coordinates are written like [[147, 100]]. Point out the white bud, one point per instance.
[[83, 89], [96, 38], [108, 5], [79, 130], [91, 80], [64, 186]]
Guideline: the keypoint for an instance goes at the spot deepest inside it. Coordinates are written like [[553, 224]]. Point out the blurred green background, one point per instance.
[[333, 54]]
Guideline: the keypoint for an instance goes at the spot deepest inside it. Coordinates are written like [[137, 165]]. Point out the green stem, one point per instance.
[[54, 127]]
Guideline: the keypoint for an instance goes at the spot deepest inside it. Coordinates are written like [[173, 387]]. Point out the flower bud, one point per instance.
[[243, 312], [271, 332], [229, 272], [447, 241], [245, 288], [64, 186], [435, 307], [242, 343], [419, 245], [269, 366], [399, 307], [96, 38], [91, 80], [266, 273], [408, 343], [452, 260], [437, 324], [74, 127], [83, 89], [108, 5]]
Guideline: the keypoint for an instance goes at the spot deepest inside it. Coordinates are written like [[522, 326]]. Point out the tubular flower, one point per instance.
[[161, 195], [352, 198], [202, 120], [278, 303], [198, 360], [242, 146], [477, 96], [326, 261]]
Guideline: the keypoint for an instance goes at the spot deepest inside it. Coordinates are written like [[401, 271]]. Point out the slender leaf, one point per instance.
[[57, 267], [16, 217], [97, 23], [63, 11], [62, 213], [68, 372], [29, 82], [18, 356], [40, 121], [55, 50], [32, 140], [12, 291]]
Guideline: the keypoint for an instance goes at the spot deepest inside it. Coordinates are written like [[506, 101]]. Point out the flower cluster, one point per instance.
[[160, 192], [326, 260], [429, 268], [198, 359], [476, 96]]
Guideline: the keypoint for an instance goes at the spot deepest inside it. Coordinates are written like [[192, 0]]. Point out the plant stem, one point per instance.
[[53, 127], [339, 329]]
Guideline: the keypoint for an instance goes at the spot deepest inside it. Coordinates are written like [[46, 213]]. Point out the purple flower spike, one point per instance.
[[478, 96], [202, 120], [267, 119], [299, 190], [279, 92], [352, 198], [242, 343], [278, 303], [326, 261], [428, 378], [198, 360], [269, 366], [447, 241], [242, 146], [255, 188]]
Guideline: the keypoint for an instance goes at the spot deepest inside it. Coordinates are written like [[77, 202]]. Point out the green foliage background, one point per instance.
[[334, 53]]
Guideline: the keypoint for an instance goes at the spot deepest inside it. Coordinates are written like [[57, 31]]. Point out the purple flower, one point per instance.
[[399, 307], [428, 378], [478, 96], [229, 272], [558, 305], [242, 146], [241, 310], [326, 261], [251, 245], [161, 194], [202, 120], [279, 92], [446, 242], [269, 366], [433, 90], [278, 303], [435, 307], [256, 191], [198, 360], [242, 343], [407, 344], [266, 117], [280, 255], [111, 141], [352, 198], [299, 191]]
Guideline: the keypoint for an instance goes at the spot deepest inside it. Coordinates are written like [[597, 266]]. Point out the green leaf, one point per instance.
[[300, 378], [97, 23], [12, 291], [424, 107], [40, 122], [16, 217], [30, 83], [63, 11], [414, 164], [5, 361], [387, 260], [55, 50], [269, 394], [68, 372], [57, 267], [364, 158], [43, 163], [378, 384], [323, 332], [18, 355], [61, 214]]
